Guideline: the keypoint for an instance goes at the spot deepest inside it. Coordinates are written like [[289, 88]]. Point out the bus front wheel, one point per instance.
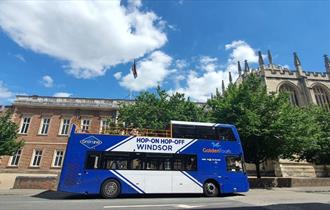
[[211, 189], [110, 188]]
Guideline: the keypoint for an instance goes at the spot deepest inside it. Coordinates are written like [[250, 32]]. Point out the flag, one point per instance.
[[134, 70]]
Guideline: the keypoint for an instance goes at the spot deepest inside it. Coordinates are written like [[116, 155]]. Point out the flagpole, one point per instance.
[[135, 76]]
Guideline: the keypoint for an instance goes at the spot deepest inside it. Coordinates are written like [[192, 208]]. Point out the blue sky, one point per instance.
[[86, 49]]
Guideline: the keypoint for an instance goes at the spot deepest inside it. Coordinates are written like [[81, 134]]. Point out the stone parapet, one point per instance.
[[66, 102], [269, 182]]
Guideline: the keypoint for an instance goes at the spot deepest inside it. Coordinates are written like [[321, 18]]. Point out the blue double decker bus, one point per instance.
[[193, 158]]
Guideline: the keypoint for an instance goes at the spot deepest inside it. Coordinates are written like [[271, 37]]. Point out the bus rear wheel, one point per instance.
[[110, 188], [211, 189]]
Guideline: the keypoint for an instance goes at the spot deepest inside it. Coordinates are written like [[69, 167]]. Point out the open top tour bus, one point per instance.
[[191, 157]]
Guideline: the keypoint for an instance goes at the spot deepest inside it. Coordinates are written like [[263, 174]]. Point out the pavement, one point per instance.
[[303, 198]]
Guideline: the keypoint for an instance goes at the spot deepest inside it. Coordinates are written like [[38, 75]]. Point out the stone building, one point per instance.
[[44, 125], [304, 88]]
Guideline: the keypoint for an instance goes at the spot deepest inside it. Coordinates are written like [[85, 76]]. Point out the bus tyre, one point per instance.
[[211, 189], [110, 188]]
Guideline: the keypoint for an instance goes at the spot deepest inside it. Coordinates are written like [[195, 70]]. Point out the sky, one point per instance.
[[87, 48]]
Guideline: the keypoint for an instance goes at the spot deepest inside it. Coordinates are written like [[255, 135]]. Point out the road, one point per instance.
[[259, 199]]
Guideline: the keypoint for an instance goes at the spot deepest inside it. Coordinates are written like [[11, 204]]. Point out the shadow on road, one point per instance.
[[293, 206], [54, 195]]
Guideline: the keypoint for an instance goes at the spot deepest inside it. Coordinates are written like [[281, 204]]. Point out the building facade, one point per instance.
[[44, 125], [304, 88]]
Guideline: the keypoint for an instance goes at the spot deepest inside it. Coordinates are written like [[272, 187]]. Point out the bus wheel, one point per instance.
[[110, 188], [211, 189]]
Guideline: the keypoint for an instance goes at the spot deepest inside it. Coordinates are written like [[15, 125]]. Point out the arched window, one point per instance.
[[322, 97], [292, 93]]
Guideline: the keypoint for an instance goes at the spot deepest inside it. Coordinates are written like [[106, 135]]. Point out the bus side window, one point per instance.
[[225, 134], [184, 131], [205, 132], [191, 164], [166, 164], [136, 164], [114, 163], [178, 164], [152, 164], [92, 161]]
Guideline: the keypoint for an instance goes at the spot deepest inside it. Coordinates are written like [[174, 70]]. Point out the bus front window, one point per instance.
[[234, 163]]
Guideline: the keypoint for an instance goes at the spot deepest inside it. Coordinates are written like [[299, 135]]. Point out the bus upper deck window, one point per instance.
[[225, 134]]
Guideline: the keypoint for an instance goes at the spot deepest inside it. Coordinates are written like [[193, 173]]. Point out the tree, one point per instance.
[[156, 110], [267, 123], [8, 135], [319, 152]]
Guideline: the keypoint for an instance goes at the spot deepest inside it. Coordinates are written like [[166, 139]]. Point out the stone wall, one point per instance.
[[289, 168], [27, 182]]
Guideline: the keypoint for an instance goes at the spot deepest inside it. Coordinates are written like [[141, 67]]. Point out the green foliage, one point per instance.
[[156, 110], [319, 150], [8, 135], [268, 125]]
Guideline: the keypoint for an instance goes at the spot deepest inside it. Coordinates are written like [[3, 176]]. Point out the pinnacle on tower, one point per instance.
[[297, 62], [270, 58], [223, 87], [261, 60], [246, 66], [217, 93], [239, 67], [230, 78], [327, 63]]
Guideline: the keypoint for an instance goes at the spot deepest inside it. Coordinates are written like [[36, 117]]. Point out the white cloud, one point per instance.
[[5, 93], [20, 57], [181, 64], [241, 51], [6, 96], [47, 81], [117, 75], [208, 63], [62, 94], [136, 3], [151, 71], [91, 36], [200, 84]]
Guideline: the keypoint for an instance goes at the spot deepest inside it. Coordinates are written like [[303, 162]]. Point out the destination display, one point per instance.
[[152, 144]]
